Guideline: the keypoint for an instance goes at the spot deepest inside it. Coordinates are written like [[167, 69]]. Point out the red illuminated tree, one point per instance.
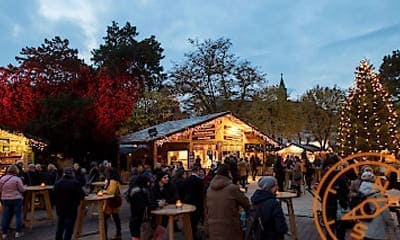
[[114, 97], [18, 99]]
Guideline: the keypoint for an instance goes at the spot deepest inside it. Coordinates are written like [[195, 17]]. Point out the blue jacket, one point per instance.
[[272, 217]]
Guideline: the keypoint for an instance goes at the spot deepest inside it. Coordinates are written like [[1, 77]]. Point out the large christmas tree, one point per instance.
[[367, 121]]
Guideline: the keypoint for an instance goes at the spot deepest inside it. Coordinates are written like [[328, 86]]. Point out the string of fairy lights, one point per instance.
[[367, 119]]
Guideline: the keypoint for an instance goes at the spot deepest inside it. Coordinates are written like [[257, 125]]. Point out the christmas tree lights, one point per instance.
[[367, 121]]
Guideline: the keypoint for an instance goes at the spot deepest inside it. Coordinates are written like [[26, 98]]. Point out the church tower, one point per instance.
[[282, 89]]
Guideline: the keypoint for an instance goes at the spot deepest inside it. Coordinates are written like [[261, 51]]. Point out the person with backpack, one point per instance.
[[269, 220]]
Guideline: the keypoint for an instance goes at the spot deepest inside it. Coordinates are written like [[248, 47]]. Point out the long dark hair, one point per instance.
[[112, 174]]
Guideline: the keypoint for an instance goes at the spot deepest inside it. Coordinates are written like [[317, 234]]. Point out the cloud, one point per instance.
[[16, 30], [375, 34], [82, 13]]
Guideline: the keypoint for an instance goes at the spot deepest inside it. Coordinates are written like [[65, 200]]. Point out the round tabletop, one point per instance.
[[39, 188], [171, 210], [95, 197], [285, 195]]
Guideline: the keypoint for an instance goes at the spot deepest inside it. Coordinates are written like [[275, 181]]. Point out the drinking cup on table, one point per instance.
[[161, 203]]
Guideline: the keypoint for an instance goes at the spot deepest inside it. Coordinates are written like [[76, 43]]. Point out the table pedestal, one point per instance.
[[187, 226], [174, 213], [81, 214], [287, 198], [29, 206]]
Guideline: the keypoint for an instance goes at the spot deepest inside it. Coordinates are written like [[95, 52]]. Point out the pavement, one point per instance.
[[46, 230]]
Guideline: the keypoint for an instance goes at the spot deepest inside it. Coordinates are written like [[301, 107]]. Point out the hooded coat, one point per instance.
[[272, 217], [382, 226], [223, 202]]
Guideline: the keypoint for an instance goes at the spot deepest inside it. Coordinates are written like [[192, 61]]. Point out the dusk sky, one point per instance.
[[310, 42]]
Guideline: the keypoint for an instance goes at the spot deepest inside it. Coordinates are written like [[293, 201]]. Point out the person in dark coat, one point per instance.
[[163, 189], [254, 163], [140, 200], [79, 175], [333, 200], [43, 174], [32, 176], [179, 182], [271, 213], [68, 194], [279, 171], [194, 190], [94, 175], [21, 172], [52, 174]]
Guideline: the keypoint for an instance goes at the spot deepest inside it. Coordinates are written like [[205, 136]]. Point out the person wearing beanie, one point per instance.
[[68, 195], [223, 202], [367, 185], [271, 213], [164, 189]]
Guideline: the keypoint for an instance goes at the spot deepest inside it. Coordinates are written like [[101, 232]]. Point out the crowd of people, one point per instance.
[[293, 171], [218, 195], [354, 189]]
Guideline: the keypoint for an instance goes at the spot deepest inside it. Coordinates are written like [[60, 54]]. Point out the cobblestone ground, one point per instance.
[[303, 210]]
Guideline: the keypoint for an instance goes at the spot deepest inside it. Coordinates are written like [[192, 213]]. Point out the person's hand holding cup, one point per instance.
[[162, 203]]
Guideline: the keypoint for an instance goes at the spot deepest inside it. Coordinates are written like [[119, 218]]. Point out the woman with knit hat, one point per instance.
[[271, 213]]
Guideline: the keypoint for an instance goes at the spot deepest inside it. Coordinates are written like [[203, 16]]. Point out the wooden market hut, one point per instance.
[[210, 138], [15, 146]]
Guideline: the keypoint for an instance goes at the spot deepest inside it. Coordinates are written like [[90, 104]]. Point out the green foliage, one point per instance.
[[389, 73], [153, 108], [272, 113], [122, 53], [320, 110], [63, 122]]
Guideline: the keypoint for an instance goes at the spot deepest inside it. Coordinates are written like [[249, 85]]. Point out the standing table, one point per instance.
[[172, 212], [287, 198], [91, 199], [98, 186], [29, 203]]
